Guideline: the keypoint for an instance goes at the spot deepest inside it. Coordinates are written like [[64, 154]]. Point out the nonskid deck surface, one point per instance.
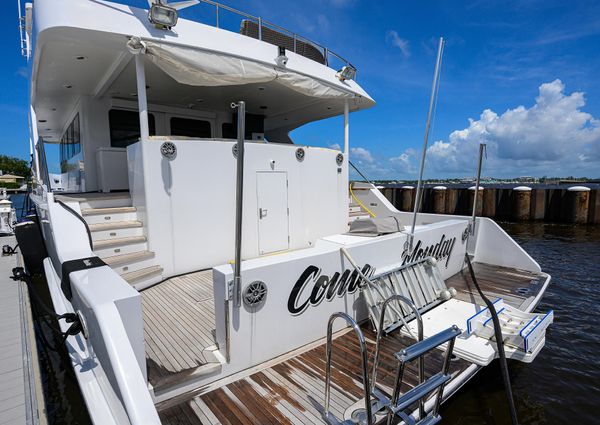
[[292, 392], [517, 287], [179, 322]]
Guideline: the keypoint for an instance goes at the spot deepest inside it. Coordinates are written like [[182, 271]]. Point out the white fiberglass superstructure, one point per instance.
[[204, 251]]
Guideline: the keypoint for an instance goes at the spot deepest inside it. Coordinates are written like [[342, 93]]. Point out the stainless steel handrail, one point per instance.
[[365, 358], [239, 202], [262, 23], [419, 350], [420, 338]]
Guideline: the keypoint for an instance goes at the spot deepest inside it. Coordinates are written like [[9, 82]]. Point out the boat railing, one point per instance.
[[296, 42]]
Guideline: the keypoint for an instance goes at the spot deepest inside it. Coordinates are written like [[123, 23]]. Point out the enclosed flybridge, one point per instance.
[[214, 270]]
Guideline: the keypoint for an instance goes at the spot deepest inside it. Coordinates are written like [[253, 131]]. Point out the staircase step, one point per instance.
[[119, 260], [107, 211], [98, 227], [109, 243], [139, 275], [359, 214]]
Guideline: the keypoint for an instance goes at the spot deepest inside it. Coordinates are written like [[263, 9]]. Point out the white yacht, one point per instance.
[[216, 270]]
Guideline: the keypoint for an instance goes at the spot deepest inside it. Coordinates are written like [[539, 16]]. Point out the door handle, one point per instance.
[[262, 213]]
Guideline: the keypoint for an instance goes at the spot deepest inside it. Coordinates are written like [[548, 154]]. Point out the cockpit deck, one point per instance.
[[179, 326], [179, 319]]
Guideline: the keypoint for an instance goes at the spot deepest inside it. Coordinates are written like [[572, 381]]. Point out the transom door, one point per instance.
[[273, 219]]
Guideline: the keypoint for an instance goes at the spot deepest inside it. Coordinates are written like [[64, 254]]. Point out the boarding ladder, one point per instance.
[[419, 281], [399, 404]]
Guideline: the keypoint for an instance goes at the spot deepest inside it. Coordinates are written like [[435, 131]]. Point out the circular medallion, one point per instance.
[[168, 150], [234, 150], [300, 154], [339, 159], [255, 294]]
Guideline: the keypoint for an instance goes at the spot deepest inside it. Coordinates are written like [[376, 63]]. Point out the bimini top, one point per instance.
[[85, 48]]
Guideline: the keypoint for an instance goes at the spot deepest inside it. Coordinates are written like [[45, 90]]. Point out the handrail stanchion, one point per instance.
[[419, 320], [365, 358], [476, 197], [239, 201], [260, 28], [217, 14]]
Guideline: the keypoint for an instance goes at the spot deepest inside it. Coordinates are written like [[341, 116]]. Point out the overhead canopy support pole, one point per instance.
[[239, 201], [346, 129], [432, 101], [140, 74]]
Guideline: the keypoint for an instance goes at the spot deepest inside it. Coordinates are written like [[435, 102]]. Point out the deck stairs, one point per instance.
[[357, 212], [119, 238]]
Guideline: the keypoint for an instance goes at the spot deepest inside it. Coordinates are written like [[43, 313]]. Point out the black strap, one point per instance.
[[71, 266]]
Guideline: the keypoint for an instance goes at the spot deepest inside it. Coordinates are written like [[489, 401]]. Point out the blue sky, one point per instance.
[[521, 76]]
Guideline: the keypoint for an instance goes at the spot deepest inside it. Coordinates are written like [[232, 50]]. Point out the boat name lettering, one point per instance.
[[324, 287], [440, 251]]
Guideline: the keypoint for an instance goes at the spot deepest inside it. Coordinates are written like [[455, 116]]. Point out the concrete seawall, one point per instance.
[[572, 204]]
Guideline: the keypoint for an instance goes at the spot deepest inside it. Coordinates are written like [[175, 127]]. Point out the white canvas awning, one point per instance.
[[197, 67]]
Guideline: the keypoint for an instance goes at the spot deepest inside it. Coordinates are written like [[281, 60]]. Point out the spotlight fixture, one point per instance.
[[164, 15], [282, 59], [347, 72]]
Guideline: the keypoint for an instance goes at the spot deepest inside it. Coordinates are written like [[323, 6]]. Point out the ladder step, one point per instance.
[[422, 347], [145, 273], [114, 225], [119, 260], [430, 420], [109, 243], [422, 390], [111, 210]]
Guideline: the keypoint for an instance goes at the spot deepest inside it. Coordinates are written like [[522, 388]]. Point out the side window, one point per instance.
[[190, 128], [70, 142], [125, 127]]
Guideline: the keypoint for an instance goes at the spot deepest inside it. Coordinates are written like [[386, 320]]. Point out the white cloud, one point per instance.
[[553, 137], [361, 155], [394, 39], [335, 146]]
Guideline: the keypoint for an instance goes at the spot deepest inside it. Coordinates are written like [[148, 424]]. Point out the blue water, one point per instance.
[[562, 386]]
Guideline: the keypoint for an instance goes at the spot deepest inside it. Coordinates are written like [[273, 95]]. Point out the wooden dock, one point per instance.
[[21, 398]]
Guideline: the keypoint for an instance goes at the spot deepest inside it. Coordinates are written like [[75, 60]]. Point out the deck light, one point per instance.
[[163, 16], [347, 72]]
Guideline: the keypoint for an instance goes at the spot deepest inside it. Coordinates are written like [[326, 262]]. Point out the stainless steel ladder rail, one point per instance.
[[365, 366], [412, 306], [400, 403]]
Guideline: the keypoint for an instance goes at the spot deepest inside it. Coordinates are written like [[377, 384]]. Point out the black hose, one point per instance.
[[76, 326], [500, 343], [80, 218]]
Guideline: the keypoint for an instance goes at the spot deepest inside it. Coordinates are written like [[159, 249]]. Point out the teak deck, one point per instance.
[[517, 287], [179, 321], [292, 391]]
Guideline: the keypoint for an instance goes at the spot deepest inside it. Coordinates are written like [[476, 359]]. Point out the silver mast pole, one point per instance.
[[476, 196], [434, 87]]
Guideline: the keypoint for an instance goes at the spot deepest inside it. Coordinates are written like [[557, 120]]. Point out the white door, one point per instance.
[[272, 202]]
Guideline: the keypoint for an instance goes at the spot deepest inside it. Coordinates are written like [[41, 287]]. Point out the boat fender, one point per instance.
[[71, 266]]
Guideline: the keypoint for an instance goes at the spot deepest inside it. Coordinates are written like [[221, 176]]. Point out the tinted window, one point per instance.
[[70, 143], [125, 127], [190, 128]]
